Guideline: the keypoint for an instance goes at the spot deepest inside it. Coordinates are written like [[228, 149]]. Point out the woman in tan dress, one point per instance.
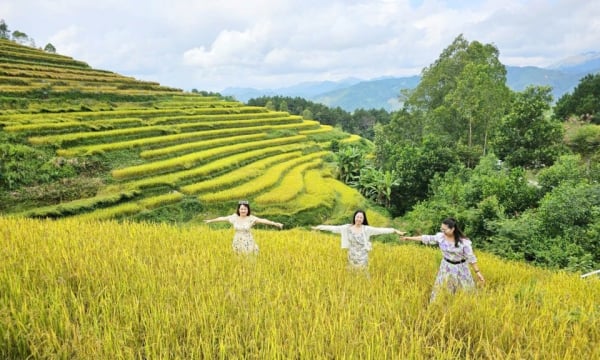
[[242, 221]]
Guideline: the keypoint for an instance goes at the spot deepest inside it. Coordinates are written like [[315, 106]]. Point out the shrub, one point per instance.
[[19, 165]]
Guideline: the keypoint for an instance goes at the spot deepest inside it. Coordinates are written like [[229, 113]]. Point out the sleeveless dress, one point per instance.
[[243, 241]]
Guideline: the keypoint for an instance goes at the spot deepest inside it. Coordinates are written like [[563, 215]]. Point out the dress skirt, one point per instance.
[[452, 277]]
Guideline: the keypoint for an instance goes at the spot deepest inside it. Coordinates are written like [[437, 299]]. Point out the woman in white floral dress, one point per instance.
[[242, 221], [356, 237], [457, 250]]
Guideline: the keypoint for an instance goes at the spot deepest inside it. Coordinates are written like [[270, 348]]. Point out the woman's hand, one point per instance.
[[480, 276]]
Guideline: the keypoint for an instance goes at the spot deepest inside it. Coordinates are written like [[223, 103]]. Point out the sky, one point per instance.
[[217, 44]]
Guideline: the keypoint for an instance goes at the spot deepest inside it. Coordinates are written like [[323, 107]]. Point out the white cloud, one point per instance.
[[65, 39], [231, 47], [212, 45]]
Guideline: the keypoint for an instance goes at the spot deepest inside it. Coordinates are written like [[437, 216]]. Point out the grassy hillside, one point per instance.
[[90, 143], [103, 290]]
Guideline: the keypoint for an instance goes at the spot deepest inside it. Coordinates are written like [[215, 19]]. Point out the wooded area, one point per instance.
[[520, 171]]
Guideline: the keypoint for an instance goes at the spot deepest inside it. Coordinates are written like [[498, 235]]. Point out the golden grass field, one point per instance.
[[73, 289]]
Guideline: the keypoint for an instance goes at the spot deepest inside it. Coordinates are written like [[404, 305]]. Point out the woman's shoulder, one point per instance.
[[437, 237], [466, 241]]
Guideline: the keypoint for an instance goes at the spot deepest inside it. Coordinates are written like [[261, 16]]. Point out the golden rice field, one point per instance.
[[141, 149], [73, 289]]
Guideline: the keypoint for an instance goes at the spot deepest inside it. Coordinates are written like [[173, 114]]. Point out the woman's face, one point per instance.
[[243, 210], [359, 218], [446, 230]]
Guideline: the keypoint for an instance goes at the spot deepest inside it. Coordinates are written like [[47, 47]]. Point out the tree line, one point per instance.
[[361, 121], [21, 38]]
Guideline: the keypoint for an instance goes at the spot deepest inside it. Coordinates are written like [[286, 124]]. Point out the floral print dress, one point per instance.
[[358, 244], [454, 272], [358, 251], [243, 241]]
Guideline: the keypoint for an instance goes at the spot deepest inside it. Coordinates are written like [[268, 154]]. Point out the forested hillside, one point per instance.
[[520, 173], [90, 143], [518, 169]]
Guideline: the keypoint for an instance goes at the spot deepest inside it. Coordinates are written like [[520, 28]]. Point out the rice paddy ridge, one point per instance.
[[158, 145]]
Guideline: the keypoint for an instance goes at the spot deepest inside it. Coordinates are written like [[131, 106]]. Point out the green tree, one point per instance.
[[297, 105], [570, 215], [528, 136], [376, 184], [462, 96], [307, 114], [416, 167], [269, 105], [585, 140], [20, 37], [283, 106], [490, 178], [386, 181], [4, 32], [50, 48], [362, 122], [404, 129], [439, 78], [481, 99], [351, 160], [584, 102], [567, 168]]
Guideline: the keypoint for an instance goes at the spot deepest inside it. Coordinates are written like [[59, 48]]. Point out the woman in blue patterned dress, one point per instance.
[[356, 238], [242, 221], [457, 250]]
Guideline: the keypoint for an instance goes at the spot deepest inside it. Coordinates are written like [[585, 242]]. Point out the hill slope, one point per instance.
[[91, 143]]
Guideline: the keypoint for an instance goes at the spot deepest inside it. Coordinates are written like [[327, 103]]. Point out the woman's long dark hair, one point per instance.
[[451, 223], [365, 221]]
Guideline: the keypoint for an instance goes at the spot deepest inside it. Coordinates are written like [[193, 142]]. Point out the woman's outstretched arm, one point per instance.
[[332, 228], [381, 230], [413, 238], [220, 218], [268, 222]]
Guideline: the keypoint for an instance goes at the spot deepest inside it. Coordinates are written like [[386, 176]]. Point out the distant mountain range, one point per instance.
[[351, 94]]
